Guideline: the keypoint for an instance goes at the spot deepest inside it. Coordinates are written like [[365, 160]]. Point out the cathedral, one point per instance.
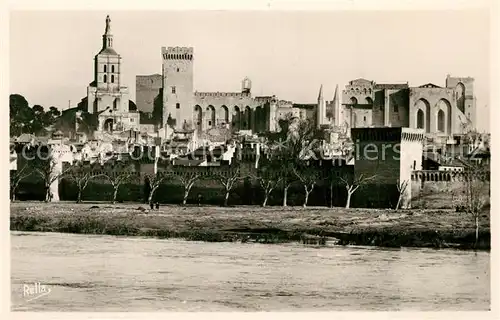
[[107, 97]]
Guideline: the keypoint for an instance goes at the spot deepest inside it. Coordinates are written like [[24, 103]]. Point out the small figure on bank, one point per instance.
[[157, 205], [199, 199], [151, 205]]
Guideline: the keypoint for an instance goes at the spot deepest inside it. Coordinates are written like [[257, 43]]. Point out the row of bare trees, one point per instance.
[[285, 163], [270, 175]]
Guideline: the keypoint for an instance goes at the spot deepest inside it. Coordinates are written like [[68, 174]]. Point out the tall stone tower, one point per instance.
[[178, 96], [106, 95]]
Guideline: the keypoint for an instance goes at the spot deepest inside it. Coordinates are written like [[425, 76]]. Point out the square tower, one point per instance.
[[388, 155], [177, 84]]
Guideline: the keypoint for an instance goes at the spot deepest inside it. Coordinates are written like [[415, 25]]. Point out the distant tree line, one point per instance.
[[39, 121], [26, 119]]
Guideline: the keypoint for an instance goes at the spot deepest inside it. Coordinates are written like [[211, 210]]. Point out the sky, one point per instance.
[[289, 54]]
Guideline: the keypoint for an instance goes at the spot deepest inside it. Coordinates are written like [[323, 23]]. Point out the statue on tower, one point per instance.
[[108, 24]]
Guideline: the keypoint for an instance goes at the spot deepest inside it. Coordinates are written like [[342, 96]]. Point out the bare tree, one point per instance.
[[268, 177], [402, 186], [353, 185], [287, 179], [81, 175], [188, 179], [292, 146], [476, 193], [228, 179], [49, 174], [331, 178], [16, 178], [154, 181], [116, 179], [308, 176], [476, 177]]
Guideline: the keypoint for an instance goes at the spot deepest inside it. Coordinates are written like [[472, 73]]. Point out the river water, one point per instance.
[[69, 272]]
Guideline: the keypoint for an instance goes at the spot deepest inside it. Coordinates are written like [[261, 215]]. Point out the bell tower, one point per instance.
[[107, 63]]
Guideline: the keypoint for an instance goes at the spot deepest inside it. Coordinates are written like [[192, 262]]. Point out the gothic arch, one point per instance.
[[420, 119], [259, 119], [108, 125], [225, 114], [440, 121], [249, 122], [198, 117], [211, 116], [460, 96], [236, 119], [369, 100], [354, 101], [424, 106], [445, 106]]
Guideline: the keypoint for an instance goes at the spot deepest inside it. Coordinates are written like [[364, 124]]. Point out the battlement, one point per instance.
[[264, 99], [385, 134], [222, 94], [435, 175], [412, 134], [438, 175], [177, 53], [460, 78], [394, 86]]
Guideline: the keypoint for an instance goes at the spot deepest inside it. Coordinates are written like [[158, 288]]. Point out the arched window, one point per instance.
[[237, 119], [440, 121], [112, 78], [198, 116], [420, 119], [211, 116], [105, 79], [105, 69], [225, 114], [112, 68]]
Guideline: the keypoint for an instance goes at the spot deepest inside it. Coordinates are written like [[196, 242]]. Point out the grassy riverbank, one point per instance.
[[388, 228]]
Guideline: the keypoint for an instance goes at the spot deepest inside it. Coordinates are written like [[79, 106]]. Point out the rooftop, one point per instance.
[[109, 51]]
